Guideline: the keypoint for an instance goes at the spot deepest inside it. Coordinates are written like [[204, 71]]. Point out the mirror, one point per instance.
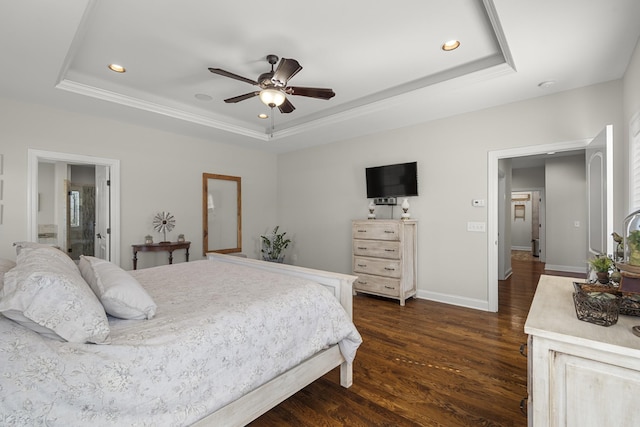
[[221, 214]]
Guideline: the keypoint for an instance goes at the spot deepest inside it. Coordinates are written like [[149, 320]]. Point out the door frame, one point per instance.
[[492, 204], [35, 156]]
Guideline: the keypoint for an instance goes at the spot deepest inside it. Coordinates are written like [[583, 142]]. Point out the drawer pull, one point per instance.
[[523, 406], [390, 269], [523, 349], [360, 282], [362, 248], [389, 231], [362, 231], [389, 287], [389, 250], [362, 265]]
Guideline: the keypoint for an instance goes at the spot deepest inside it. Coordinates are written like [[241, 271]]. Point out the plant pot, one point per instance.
[[603, 277], [280, 259]]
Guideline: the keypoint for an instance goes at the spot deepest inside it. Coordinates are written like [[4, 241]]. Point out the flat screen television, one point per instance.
[[392, 180]]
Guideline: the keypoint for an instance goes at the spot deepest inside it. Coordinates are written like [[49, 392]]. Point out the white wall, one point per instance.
[[322, 189], [160, 171], [528, 178], [566, 198]]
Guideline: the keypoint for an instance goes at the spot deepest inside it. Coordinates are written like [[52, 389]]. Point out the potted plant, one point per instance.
[[602, 265], [273, 246], [633, 243]]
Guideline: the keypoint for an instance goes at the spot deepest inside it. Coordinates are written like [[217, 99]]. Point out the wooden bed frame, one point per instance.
[[250, 406]]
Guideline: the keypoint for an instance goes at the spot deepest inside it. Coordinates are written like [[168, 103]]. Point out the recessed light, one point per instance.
[[451, 45], [546, 84], [117, 68], [263, 116], [203, 97]]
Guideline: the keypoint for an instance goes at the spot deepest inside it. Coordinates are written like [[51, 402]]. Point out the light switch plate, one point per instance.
[[479, 227]]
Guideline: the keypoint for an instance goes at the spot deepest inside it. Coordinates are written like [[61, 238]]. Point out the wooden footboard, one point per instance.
[[250, 406]]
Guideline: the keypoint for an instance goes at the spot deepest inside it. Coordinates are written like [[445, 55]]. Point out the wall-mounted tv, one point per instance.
[[392, 180]]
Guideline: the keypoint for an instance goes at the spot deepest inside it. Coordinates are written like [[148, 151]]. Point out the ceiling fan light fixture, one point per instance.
[[272, 97]]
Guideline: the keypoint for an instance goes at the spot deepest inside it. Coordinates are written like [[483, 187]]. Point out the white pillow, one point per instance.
[[33, 245], [46, 293], [121, 295], [5, 265]]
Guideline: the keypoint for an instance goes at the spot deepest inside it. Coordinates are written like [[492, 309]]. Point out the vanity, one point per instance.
[[579, 373]]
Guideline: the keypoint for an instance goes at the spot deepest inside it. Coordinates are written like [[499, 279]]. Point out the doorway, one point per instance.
[[493, 226], [599, 203], [49, 203]]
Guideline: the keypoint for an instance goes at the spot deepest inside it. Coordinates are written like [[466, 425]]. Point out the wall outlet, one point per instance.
[[479, 227], [478, 203]]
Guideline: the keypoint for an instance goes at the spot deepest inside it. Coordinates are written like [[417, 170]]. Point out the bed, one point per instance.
[[193, 361]]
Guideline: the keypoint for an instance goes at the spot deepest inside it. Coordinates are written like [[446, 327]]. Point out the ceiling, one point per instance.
[[384, 63]]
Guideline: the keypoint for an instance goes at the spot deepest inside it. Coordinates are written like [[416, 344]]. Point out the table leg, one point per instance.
[[187, 253], [135, 259], [170, 257]]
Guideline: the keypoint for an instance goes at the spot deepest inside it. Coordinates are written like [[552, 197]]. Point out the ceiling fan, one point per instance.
[[273, 85]]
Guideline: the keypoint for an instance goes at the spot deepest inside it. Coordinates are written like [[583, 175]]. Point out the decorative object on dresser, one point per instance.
[[372, 210], [602, 265], [405, 209], [384, 257], [163, 222], [273, 246]]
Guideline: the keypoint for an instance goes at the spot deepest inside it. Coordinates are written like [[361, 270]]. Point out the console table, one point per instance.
[[160, 247]]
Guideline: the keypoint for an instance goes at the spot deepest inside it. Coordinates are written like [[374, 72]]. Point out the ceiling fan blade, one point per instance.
[[287, 68], [286, 107], [311, 92], [241, 97], [225, 73]]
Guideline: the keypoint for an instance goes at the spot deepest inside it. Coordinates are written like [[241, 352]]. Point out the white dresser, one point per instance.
[[384, 257], [580, 374]]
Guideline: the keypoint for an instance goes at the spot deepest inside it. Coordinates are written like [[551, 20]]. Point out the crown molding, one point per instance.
[[153, 107]]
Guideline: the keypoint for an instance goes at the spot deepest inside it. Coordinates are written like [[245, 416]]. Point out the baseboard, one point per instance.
[[454, 300], [507, 274], [521, 248], [566, 268]]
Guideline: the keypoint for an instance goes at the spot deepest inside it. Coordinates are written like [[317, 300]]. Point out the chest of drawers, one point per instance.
[[384, 257]]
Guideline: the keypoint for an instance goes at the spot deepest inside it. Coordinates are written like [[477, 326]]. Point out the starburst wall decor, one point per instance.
[[163, 222]]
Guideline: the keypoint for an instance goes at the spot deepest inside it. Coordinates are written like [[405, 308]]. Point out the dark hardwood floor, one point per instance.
[[427, 364]]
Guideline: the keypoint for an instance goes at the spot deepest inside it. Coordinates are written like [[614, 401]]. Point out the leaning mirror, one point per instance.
[[221, 213]]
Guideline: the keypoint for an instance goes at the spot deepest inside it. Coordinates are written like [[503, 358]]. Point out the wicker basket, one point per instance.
[[600, 306], [630, 304]]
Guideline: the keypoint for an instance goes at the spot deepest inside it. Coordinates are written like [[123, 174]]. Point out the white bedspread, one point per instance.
[[220, 331]]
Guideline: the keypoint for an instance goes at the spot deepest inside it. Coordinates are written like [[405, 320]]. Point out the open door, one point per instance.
[[102, 208], [599, 169]]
